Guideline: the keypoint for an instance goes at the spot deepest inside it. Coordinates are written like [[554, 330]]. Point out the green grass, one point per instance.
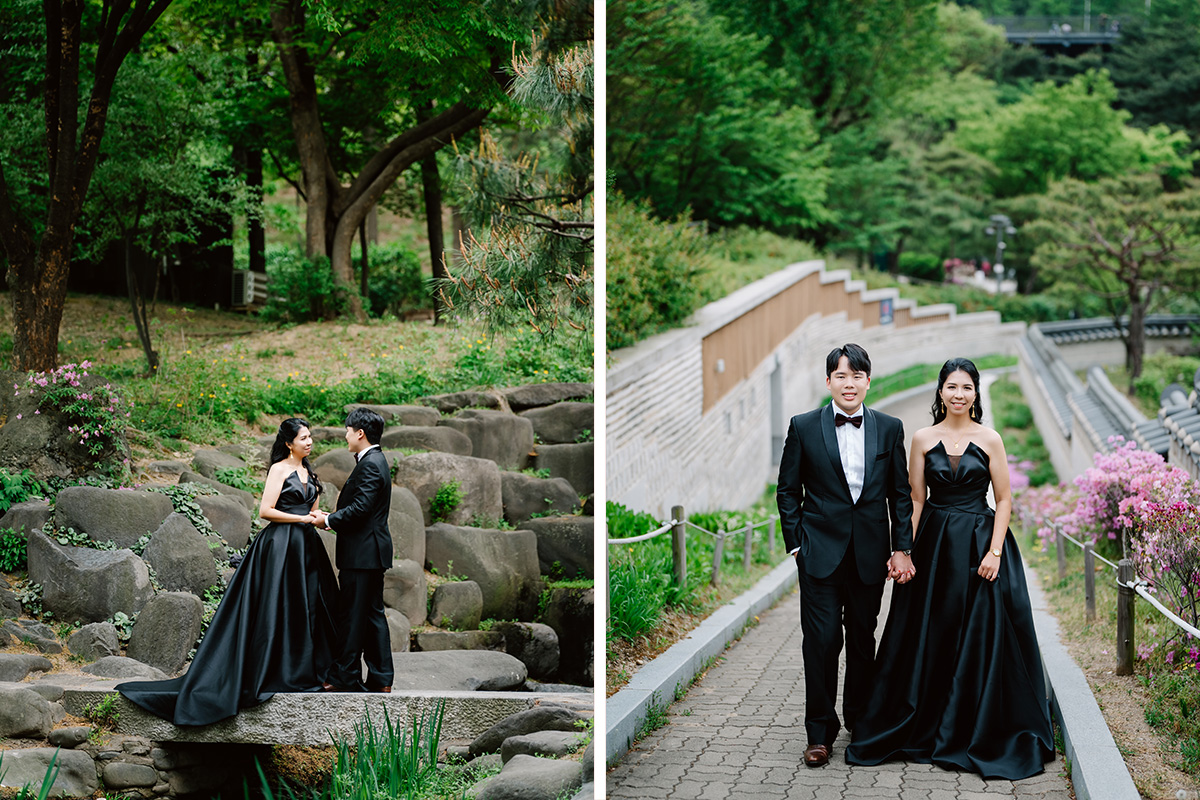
[[1022, 441]]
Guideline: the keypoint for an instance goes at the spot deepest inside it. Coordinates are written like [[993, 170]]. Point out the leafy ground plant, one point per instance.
[[13, 549], [43, 791], [449, 496]]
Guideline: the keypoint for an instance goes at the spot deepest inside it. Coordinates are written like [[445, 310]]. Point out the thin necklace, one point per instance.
[[959, 439]]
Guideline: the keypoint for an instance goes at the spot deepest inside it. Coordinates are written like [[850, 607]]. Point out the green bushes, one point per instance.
[[301, 289], [921, 266], [18, 487], [395, 282], [13, 550]]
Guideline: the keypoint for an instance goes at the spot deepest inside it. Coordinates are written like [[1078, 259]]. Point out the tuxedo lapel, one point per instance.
[[870, 445], [829, 433]]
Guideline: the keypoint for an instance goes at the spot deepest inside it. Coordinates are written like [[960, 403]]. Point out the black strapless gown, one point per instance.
[[272, 632], [959, 679]]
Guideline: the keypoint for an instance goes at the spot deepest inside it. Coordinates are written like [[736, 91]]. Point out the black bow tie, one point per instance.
[[842, 419]]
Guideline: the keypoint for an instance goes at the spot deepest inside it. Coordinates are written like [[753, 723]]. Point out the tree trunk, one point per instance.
[[138, 303], [37, 296], [365, 271], [431, 181]]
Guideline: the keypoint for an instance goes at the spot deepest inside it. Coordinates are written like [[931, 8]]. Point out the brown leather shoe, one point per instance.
[[816, 755], [328, 687], [385, 689]]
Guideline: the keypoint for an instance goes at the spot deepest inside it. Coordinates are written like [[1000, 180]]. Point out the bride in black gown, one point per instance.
[[273, 631], [959, 678]]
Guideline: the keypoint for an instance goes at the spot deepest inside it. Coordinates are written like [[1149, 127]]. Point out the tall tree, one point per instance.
[[37, 241]]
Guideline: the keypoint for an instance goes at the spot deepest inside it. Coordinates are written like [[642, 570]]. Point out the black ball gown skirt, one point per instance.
[[272, 632], [959, 679]]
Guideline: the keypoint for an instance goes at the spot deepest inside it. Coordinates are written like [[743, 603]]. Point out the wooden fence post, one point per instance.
[[1125, 598], [607, 578], [1060, 548], [718, 554], [679, 547], [1089, 581], [747, 543]]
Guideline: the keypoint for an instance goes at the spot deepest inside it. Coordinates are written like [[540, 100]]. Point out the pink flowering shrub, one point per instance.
[[1038, 508], [1166, 552], [98, 415]]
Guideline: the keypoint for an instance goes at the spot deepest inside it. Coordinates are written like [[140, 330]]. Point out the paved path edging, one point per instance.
[[654, 684]]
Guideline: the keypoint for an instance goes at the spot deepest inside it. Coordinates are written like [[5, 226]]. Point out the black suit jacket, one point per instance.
[[361, 519], [815, 508]]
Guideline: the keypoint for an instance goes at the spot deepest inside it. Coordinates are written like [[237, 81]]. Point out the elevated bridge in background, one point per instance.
[[1068, 33]]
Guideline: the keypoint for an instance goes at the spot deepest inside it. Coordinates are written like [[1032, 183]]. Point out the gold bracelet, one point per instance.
[[996, 552]]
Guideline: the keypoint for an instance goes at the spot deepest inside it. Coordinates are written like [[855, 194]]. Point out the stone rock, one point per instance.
[[16, 667], [28, 515], [575, 462], [181, 556], [166, 468], [563, 423], [434, 641], [76, 771], [567, 542], [122, 775], [406, 523], [455, 401], [569, 612], [503, 563], [589, 505], [124, 668], [534, 643], [402, 415], [80, 584], [534, 395], [228, 517], [110, 515], [495, 435], [526, 495], [399, 630], [207, 462], [557, 688], [404, 590], [539, 718], [438, 439], [31, 632], [24, 714], [95, 640], [479, 482], [10, 606], [457, 605], [458, 670], [69, 738], [241, 495], [48, 690], [335, 467], [554, 744], [166, 631], [327, 434], [483, 766]]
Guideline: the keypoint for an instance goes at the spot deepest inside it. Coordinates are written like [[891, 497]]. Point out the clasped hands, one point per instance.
[[317, 518], [900, 568]]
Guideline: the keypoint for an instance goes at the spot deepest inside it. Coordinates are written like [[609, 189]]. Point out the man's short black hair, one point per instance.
[[858, 358], [367, 421]]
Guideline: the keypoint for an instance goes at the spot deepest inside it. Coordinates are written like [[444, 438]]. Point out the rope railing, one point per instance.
[[645, 537]]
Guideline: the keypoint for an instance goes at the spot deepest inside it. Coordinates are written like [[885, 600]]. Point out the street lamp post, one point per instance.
[[1001, 225]]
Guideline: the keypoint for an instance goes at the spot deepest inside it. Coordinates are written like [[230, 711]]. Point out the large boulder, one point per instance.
[[399, 630], [28, 515], [526, 495], [460, 670], [16, 667], [434, 641], [564, 546], [563, 423], [182, 557], [534, 395], [30, 632], [241, 495], [479, 482], [553, 744], [406, 523], [80, 584], [404, 590], [335, 467], [95, 640], [166, 631], [229, 518], [119, 516], [575, 462], [495, 435], [401, 415], [76, 771], [503, 563], [124, 668], [43, 442], [207, 462], [546, 717], [437, 439], [456, 401], [24, 714], [534, 643], [10, 605], [328, 434], [457, 605], [570, 613]]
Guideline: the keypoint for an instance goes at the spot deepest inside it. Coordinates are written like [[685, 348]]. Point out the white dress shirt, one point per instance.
[[358, 456], [852, 448]]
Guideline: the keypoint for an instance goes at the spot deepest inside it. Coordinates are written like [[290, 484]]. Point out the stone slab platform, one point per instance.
[[312, 720]]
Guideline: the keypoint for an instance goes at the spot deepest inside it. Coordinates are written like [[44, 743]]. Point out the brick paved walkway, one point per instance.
[[739, 733]]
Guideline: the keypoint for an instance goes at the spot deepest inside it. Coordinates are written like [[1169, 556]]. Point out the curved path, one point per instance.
[[739, 731]]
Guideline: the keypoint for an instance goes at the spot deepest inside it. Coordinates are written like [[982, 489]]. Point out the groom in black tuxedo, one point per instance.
[[846, 512], [364, 552]]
